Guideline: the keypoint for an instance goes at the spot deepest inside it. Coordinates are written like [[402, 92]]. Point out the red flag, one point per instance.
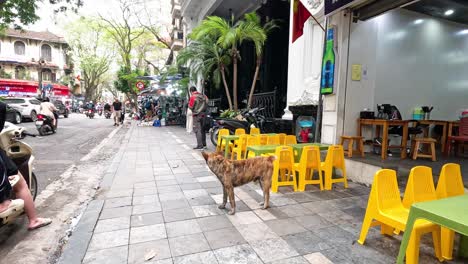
[[301, 14]]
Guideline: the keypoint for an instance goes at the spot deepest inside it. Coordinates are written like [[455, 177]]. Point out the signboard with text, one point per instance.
[[334, 5]]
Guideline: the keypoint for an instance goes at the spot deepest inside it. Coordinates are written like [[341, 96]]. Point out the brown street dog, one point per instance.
[[233, 173]]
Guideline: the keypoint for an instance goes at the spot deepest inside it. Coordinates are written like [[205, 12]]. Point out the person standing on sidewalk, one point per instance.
[[198, 104], [117, 108]]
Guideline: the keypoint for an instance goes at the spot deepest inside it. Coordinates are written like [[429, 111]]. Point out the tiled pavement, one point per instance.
[[162, 202]]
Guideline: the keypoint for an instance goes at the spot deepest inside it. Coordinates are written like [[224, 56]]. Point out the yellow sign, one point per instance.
[[356, 71]]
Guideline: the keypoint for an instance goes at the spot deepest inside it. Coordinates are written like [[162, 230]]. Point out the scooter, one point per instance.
[[21, 154], [252, 119], [100, 112], [107, 114], [45, 125], [91, 113]]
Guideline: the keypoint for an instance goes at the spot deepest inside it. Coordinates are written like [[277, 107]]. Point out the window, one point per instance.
[[20, 73], [46, 75], [20, 48], [13, 101], [34, 102], [46, 52]]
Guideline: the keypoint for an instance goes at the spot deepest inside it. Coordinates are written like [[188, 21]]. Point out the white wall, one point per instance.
[[409, 64]]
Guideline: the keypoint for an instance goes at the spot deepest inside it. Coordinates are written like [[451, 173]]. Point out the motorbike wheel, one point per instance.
[[42, 131], [33, 186], [214, 136]]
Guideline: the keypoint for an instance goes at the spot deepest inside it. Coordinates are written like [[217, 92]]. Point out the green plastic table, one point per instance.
[[264, 149], [449, 212], [228, 140]]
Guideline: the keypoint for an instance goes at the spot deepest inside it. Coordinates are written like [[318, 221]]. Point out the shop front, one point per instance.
[[18, 88]]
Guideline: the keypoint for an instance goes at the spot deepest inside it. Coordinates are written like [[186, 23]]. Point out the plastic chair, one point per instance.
[[239, 131], [334, 159], [450, 184], [240, 149], [310, 161], [254, 131], [281, 137], [386, 209], [251, 141], [462, 135], [273, 140], [263, 139], [283, 168], [420, 186], [221, 132], [290, 139]]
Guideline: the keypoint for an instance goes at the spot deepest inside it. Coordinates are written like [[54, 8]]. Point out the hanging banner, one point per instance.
[[335, 5], [327, 82]]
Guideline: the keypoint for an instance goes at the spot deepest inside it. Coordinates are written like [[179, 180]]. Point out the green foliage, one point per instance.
[[18, 13], [229, 113], [126, 80], [4, 74]]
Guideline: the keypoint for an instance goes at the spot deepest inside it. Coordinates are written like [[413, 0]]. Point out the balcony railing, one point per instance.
[[175, 11]]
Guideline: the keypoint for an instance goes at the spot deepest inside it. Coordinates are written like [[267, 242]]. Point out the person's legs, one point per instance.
[[198, 131], [22, 192]]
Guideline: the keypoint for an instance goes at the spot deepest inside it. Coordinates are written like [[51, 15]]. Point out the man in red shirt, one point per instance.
[[198, 104]]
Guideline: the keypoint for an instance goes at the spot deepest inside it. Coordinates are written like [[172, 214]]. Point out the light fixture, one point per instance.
[[463, 32], [418, 21], [449, 12]]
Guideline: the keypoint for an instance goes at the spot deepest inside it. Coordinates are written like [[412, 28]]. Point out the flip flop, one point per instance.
[[14, 206], [44, 222]]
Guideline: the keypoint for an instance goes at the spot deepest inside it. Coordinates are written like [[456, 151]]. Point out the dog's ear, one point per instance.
[[219, 153], [205, 155]]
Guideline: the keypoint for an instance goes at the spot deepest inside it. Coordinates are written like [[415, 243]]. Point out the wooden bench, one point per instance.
[[359, 145], [417, 142]]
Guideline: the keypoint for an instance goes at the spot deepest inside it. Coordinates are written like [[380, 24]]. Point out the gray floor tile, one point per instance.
[[137, 252], [164, 177], [189, 194], [147, 199], [119, 193], [244, 218], [190, 186], [169, 189], [285, 226], [112, 224], [256, 232], [335, 235], [118, 202], [207, 210], [293, 260], [201, 200], [146, 208], [175, 204], [182, 228], [317, 258], [189, 244], [273, 249], [313, 222], [207, 257], [214, 222], [147, 219], [144, 191], [306, 242], [171, 196], [117, 255], [317, 207], [225, 237], [240, 254], [143, 185], [116, 212], [161, 183], [109, 239], [211, 184], [178, 214], [147, 233], [294, 210]]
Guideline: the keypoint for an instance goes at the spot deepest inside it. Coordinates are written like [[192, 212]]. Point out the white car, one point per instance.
[[28, 107]]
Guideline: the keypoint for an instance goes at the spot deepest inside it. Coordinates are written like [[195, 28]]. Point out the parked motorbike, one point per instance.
[[21, 154], [100, 112], [91, 114], [107, 114], [252, 119], [45, 125]]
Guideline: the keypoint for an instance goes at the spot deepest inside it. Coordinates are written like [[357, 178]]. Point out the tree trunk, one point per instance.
[[234, 79], [223, 75], [254, 81], [170, 58]]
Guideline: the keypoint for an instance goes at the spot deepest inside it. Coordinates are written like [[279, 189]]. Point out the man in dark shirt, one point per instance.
[[117, 108]]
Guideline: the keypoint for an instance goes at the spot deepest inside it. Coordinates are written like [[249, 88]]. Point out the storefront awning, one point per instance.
[[18, 88]]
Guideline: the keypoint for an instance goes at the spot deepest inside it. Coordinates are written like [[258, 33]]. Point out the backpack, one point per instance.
[[200, 104], [148, 105]]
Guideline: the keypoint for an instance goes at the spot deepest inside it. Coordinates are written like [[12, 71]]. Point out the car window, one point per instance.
[[34, 101], [14, 101]]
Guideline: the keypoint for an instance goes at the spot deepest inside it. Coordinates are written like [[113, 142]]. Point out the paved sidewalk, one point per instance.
[[159, 201]]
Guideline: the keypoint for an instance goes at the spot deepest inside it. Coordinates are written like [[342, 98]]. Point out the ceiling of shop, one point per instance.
[[437, 8], [237, 7]]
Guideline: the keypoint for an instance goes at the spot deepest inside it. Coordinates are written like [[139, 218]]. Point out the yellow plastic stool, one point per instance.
[[251, 141], [385, 208], [310, 161], [221, 132], [283, 168], [290, 139], [273, 140], [335, 159], [254, 131], [263, 139], [281, 137], [239, 131], [450, 184], [240, 149], [420, 186]]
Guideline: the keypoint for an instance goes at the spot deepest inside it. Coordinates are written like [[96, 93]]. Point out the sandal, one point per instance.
[[44, 222], [14, 206]]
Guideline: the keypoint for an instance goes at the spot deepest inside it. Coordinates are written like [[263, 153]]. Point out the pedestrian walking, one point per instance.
[[117, 109], [198, 104]]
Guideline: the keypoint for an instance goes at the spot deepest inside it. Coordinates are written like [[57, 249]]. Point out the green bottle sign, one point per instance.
[[328, 64]]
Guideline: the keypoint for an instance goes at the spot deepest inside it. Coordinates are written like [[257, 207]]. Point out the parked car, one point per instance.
[[63, 110], [13, 115], [28, 107]]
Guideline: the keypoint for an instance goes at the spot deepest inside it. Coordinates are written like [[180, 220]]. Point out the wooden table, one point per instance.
[[442, 123], [448, 212], [385, 124], [265, 149]]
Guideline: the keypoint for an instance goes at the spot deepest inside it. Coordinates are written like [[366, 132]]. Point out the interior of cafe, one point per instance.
[[410, 64]]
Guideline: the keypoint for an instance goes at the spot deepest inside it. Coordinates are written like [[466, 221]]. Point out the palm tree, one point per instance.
[[253, 20], [207, 58], [230, 35]]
